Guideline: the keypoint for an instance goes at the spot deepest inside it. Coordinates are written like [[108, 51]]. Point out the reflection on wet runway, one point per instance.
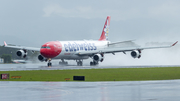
[[86, 91], [14, 67], [166, 90]]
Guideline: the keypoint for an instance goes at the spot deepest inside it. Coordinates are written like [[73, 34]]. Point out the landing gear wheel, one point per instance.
[[49, 64], [93, 63], [79, 63], [63, 62]]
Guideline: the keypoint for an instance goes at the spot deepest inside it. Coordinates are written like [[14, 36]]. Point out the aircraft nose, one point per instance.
[[51, 49], [44, 52]]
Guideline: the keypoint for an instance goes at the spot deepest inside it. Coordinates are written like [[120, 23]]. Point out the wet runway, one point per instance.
[[164, 90], [91, 91], [30, 66]]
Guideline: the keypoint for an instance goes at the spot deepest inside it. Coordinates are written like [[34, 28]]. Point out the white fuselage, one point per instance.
[[70, 48]]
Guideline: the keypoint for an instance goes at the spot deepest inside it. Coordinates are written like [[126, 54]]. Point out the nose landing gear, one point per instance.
[[49, 64]]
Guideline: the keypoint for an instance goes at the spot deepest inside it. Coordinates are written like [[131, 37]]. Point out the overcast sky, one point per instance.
[[34, 22]]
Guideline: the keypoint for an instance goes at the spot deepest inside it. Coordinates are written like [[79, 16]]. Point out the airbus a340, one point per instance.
[[80, 50]]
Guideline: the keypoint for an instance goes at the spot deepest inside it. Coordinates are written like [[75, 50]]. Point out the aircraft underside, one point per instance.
[[78, 60]]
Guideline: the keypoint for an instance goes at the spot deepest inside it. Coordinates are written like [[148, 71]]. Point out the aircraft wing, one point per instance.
[[21, 47], [121, 49], [115, 43]]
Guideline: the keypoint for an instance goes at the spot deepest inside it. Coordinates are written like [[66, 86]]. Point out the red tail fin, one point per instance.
[[104, 35]]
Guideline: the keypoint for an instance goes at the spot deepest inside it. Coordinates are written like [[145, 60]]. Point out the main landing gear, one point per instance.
[[93, 63], [79, 62], [62, 62]]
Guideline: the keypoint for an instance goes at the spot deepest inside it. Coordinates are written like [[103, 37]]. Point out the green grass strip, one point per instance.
[[111, 74]]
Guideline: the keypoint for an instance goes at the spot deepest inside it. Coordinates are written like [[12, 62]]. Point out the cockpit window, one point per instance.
[[47, 47], [43, 47]]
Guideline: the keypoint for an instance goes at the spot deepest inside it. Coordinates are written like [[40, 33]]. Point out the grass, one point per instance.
[[117, 74]]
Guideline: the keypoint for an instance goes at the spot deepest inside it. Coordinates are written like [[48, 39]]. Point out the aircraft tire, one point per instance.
[[80, 63], [49, 64], [91, 63]]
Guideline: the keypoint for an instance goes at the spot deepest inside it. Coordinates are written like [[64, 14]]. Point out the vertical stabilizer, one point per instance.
[[104, 35]]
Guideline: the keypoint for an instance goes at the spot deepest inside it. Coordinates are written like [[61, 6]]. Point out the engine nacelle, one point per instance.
[[98, 57], [41, 58], [21, 53], [136, 53]]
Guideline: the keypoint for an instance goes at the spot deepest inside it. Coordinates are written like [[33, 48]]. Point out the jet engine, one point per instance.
[[21, 53], [41, 58], [136, 53], [98, 57]]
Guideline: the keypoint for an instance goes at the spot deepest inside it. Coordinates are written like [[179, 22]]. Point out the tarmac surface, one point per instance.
[[31, 66], [167, 90], [161, 90]]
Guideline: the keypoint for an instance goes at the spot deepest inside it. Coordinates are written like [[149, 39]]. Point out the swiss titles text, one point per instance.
[[70, 47]]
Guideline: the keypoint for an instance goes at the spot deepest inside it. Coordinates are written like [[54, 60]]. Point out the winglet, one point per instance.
[[5, 44], [175, 43]]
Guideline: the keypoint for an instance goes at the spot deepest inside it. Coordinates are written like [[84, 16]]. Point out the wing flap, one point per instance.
[[130, 41]]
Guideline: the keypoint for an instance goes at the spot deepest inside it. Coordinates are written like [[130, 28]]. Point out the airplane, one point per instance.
[[80, 50]]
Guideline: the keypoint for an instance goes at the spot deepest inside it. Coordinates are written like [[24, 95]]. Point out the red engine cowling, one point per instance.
[[21, 53], [136, 53]]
